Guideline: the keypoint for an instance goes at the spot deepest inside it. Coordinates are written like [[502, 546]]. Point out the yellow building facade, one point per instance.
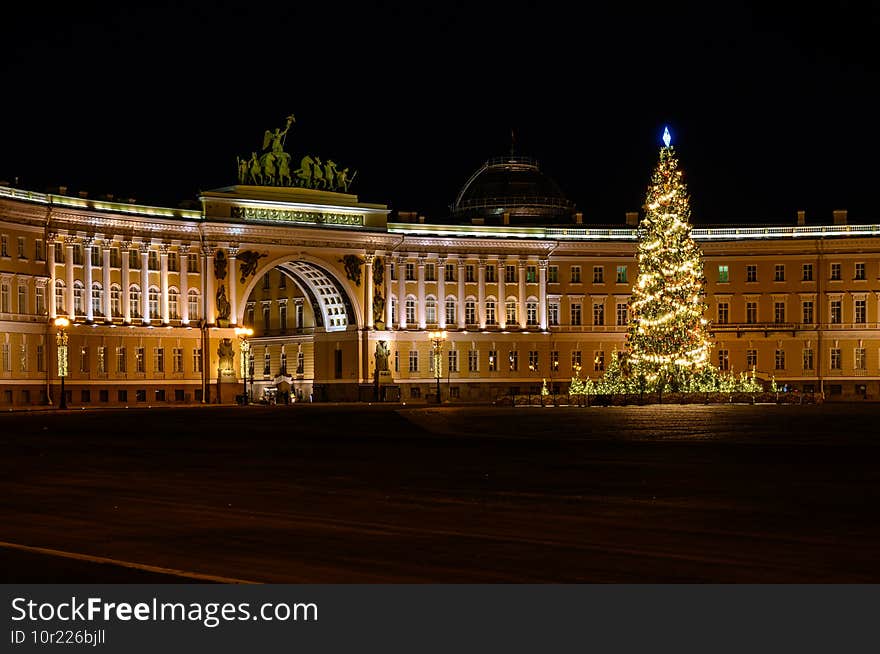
[[342, 300]]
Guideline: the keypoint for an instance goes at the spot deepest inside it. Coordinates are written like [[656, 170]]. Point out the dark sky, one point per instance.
[[772, 110]]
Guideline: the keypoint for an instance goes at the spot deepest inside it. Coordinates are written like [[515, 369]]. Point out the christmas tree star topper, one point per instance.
[[666, 138]]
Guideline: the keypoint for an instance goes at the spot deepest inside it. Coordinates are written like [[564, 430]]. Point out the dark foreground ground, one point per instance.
[[374, 494]]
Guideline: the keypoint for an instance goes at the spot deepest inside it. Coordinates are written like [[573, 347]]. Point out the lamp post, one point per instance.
[[243, 334], [437, 339], [61, 324]]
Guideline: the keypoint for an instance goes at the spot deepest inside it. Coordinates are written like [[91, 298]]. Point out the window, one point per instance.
[[575, 274], [7, 360], [469, 273], [4, 246], [22, 298], [177, 359], [490, 312], [300, 314], [59, 252], [173, 264], [79, 306], [807, 269], [4, 299], [115, 306], [553, 274], [95, 257], [450, 311], [104, 395], [413, 361], [122, 396], [513, 360], [193, 304], [140, 364], [282, 315], [531, 313], [179, 395], [282, 281], [120, 359], [598, 313], [836, 317], [134, 301], [751, 358], [511, 312], [621, 274], [493, 360], [300, 362], [510, 274], [598, 274], [531, 274], [415, 392], [396, 361], [473, 360], [267, 362], [140, 395], [133, 261], [780, 359], [114, 257], [553, 313], [452, 359], [751, 273], [860, 271], [490, 274], [410, 311], [470, 312], [554, 360], [779, 272], [154, 302], [430, 273], [723, 274], [97, 300], [599, 361], [450, 272], [751, 312], [835, 358], [102, 359], [835, 271], [779, 312], [21, 254], [807, 358], [83, 359], [41, 358], [410, 272], [282, 367], [723, 313], [431, 311], [723, 359], [40, 307], [807, 311], [337, 364], [267, 282], [173, 304], [575, 359], [153, 260], [193, 264], [85, 396], [575, 311], [39, 250], [859, 358], [860, 312], [59, 297]]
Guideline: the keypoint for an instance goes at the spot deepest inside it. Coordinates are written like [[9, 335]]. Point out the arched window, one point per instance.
[[115, 307], [470, 311], [531, 311], [173, 304], [431, 311], [511, 312], [79, 306], [134, 300], [393, 311], [59, 297], [410, 310], [194, 304], [450, 310], [97, 299], [154, 302], [491, 318]]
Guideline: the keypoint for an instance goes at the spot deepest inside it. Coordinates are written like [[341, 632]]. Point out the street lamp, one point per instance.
[[437, 339], [61, 341], [243, 334]]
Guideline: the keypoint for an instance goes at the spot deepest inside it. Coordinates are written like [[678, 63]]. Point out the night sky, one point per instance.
[[772, 111]]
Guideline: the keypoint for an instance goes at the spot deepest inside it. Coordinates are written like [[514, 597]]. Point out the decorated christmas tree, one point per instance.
[[668, 341]]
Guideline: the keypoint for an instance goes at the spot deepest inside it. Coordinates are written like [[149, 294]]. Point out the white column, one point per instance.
[[441, 292], [521, 278], [501, 305], [68, 265], [542, 293], [461, 321], [481, 294], [401, 292], [163, 284], [50, 255], [421, 301], [87, 278], [368, 290], [233, 287], [389, 323], [145, 282], [208, 251], [126, 296], [105, 253], [183, 257]]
